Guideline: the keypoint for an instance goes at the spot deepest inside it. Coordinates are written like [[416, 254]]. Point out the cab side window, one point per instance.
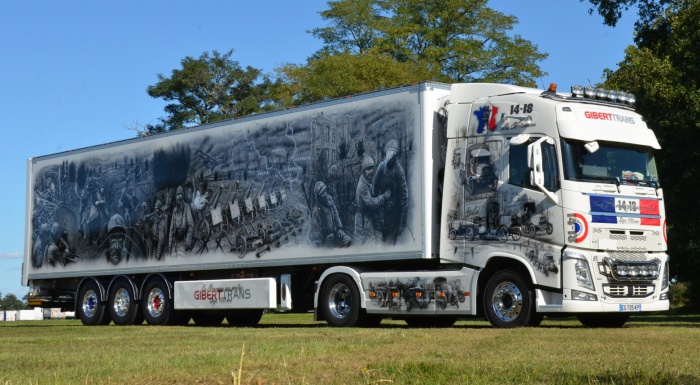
[[519, 171]]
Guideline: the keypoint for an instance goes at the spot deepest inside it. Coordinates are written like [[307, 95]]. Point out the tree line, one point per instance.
[[375, 44], [11, 302]]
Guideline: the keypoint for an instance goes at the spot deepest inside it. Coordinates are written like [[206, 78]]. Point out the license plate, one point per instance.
[[630, 307]]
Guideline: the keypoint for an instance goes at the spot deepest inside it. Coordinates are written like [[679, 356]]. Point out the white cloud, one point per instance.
[[10, 255]]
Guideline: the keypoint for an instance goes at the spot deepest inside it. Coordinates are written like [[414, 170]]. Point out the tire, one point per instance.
[[503, 234], [470, 233], [244, 317], [532, 230], [603, 320], [452, 234], [241, 246], [157, 308], [340, 301], [508, 300], [441, 303], [208, 319], [549, 228], [90, 310], [516, 234], [431, 321], [123, 308]]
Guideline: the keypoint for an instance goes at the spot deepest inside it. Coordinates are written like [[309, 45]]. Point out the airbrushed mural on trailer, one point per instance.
[[343, 178], [494, 208]]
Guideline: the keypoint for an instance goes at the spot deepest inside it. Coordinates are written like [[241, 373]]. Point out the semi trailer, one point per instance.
[[426, 203]]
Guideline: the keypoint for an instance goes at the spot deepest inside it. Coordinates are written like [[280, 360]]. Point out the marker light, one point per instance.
[[591, 92], [552, 88], [577, 91], [601, 93]]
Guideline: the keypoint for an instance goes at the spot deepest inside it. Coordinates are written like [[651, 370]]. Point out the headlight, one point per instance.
[[583, 275]]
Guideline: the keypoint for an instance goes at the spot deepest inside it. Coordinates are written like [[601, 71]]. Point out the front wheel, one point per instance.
[[340, 301], [508, 301]]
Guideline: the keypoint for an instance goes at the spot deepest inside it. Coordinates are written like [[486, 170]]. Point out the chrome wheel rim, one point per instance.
[[507, 301], [90, 303], [156, 302], [340, 300], [122, 302]]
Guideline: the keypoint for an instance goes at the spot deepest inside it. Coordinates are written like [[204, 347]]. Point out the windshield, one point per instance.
[[612, 162]]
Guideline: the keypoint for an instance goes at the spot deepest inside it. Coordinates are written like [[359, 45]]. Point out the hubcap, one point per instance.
[[340, 300], [156, 298], [89, 303], [122, 302], [507, 301]]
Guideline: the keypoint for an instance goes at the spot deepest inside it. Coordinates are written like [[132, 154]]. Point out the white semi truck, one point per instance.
[[426, 203]]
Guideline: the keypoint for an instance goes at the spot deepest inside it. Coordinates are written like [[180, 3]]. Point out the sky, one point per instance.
[[74, 74]]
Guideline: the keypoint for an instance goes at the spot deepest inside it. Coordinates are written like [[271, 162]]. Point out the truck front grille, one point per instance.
[[628, 291]]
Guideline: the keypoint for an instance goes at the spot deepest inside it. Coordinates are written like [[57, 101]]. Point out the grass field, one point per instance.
[[292, 349]]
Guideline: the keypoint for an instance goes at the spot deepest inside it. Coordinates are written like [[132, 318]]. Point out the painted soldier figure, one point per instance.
[[391, 177], [326, 227], [367, 205], [181, 225]]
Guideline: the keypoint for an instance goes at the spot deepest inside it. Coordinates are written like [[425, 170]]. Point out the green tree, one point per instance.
[[11, 302], [206, 90], [665, 77], [650, 27], [371, 44]]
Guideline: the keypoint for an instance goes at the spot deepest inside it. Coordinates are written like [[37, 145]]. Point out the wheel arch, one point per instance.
[[83, 282], [124, 278], [352, 272], [158, 276], [500, 263]]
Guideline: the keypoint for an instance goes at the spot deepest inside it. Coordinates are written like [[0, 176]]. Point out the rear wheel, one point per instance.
[[123, 307], [157, 307], [509, 301], [340, 301], [90, 310], [603, 320]]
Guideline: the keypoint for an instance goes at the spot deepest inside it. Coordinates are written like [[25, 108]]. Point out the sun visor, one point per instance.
[[589, 123]]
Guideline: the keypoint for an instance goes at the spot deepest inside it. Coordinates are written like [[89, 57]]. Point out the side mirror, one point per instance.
[[534, 162]]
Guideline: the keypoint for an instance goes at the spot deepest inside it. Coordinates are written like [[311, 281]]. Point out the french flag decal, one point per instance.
[[621, 210]]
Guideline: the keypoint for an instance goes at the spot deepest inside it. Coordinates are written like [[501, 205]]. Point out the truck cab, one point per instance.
[[576, 197]]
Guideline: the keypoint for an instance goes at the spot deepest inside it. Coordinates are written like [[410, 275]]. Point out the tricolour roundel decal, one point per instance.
[[664, 230], [580, 227]]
